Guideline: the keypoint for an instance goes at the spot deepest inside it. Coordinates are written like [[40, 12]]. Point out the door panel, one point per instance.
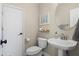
[[0, 28], [12, 27]]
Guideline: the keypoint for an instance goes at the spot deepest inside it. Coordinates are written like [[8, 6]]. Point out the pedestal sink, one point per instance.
[[62, 45]]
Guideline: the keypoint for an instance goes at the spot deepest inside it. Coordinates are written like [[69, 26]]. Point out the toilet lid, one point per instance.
[[33, 50]]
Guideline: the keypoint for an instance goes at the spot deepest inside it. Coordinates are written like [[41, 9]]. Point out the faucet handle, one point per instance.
[[65, 37], [62, 36]]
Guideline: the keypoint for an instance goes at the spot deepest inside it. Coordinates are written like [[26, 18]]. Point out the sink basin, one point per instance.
[[62, 44]]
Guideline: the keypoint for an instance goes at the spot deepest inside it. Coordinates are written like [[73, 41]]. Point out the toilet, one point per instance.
[[37, 50]]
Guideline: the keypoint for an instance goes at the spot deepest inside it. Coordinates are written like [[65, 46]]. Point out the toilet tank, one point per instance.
[[42, 42]]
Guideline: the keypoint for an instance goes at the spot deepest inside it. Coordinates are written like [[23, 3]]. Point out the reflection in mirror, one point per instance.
[[63, 26], [74, 16], [65, 14]]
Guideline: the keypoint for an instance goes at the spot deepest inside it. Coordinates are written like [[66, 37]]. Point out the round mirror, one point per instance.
[[62, 17]]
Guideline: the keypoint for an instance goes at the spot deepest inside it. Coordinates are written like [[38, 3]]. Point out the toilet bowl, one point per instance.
[[37, 50]]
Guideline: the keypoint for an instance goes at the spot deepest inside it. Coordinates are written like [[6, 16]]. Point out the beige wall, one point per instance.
[[59, 12], [50, 9]]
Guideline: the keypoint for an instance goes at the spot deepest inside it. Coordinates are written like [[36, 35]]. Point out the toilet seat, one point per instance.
[[33, 50]]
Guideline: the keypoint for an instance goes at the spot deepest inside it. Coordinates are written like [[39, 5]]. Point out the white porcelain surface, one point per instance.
[[33, 50], [42, 42], [62, 44]]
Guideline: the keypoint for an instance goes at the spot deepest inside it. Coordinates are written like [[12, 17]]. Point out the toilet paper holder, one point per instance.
[[27, 39]]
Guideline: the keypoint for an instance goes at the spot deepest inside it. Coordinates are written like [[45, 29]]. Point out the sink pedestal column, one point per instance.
[[61, 52]]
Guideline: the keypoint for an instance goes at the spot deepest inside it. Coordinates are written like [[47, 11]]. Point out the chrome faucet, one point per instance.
[[63, 36]]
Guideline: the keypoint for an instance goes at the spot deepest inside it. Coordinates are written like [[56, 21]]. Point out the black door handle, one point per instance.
[[5, 41], [20, 33], [1, 42]]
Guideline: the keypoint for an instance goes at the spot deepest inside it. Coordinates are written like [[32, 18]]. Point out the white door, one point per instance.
[[0, 28], [12, 31]]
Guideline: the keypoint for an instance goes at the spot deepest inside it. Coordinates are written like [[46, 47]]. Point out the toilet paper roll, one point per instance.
[[28, 39]]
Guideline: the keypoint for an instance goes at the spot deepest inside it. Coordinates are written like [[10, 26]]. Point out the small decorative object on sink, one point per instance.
[[56, 35]]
